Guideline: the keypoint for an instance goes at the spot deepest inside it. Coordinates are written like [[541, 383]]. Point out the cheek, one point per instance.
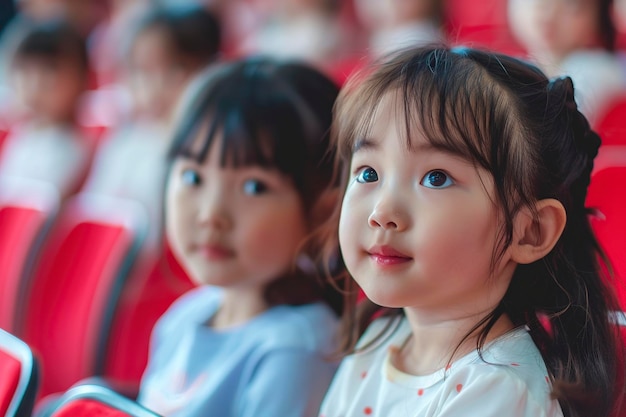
[[275, 234], [175, 215], [351, 220], [466, 239]]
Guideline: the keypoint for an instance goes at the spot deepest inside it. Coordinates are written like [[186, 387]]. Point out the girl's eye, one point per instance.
[[191, 177], [254, 187], [436, 179], [367, 175]]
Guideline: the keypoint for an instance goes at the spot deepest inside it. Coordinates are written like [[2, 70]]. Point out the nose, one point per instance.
[[213, 212], [389, 215]]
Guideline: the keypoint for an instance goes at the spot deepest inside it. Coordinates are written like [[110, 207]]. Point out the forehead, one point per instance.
[[227, 144]]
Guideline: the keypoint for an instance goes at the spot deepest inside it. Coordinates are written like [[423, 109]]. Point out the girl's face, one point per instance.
[[155, 78], [233, 227], [418, 227]]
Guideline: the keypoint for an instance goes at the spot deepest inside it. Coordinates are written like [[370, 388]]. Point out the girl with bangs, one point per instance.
[[247, 185], [463, 222]]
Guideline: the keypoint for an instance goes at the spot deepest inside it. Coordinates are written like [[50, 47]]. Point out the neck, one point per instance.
[[238, 307], [434, 344]]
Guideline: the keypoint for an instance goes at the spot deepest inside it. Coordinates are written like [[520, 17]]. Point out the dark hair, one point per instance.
[[193, 31], [273, 114], [53, 40], [505, 116]]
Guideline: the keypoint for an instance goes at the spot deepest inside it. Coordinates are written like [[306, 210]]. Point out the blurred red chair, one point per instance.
[[611, 123], [27, 208], [607, 195], [95, 400], [146, 296], [18, 377], [75, 286], [483, 26]]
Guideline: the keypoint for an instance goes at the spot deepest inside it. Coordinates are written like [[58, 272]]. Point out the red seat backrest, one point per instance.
[[75, 286], [607, 194], [26, 208], [611, 124], [483, 26], [146, 296]]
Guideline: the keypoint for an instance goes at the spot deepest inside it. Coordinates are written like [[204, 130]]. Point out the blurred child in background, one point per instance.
[[574, 38], [309, 30], [169, 47], [247, 185], [50, 72]]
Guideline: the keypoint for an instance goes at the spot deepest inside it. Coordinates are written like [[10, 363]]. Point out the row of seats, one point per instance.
[[75, 286], [19, 384]]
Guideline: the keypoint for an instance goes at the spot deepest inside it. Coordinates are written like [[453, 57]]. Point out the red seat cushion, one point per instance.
[[88, 408]]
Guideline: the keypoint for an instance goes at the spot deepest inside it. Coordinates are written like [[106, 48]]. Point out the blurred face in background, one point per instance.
[[155, 77], [555, 27], [49, 88]]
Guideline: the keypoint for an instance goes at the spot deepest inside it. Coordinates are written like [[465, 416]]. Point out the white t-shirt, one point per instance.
[[509, 380], [56, 155]]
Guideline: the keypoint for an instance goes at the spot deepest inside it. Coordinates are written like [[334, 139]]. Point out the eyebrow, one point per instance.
[[425, 147], [369, 143], [364, 144]]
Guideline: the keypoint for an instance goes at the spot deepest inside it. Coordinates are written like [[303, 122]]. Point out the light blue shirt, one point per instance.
[[275, 365]]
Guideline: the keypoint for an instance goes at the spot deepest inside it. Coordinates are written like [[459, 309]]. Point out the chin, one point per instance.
[[383, 298]]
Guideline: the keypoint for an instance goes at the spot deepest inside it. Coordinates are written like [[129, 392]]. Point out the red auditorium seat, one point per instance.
[[19, 377], [146, 296], [607, 195], [610, 124], [75, 286], [96, 400], [482, 27], [26, 209]]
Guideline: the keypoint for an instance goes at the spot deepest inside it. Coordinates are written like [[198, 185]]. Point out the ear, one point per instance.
[[534, 238]]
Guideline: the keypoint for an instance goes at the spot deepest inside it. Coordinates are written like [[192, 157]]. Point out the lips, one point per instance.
[[386, 256], [214, 252]]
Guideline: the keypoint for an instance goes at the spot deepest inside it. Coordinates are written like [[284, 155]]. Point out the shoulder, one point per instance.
[[311, 327], [195, 306], [511, 372]]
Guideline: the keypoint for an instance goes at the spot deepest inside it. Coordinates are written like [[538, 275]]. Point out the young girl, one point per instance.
[[169, 47], [50, 70], [463, 221], [245, 189]]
